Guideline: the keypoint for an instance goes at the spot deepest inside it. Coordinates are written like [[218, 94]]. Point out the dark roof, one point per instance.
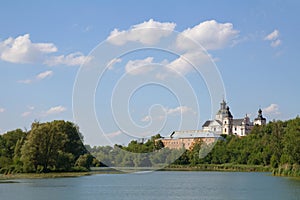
[[206, 123], [260, 118], [219, 122], [237, 122]]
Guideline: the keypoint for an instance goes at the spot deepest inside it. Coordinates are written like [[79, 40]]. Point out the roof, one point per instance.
[[194, 134], [208, 122], [237, 122], [260, 118]]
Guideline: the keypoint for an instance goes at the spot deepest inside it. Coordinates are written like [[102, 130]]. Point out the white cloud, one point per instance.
[[38, 77], [148, 32], [210, 34], [44, 75], [22, 50], [72, 59], [113, 134], [135, 67], [55, 110], [110, 64], [147, 118], [272, 109], [2, 110], [183, 64], [26, 114], [26, 81], [180, 110], [276, 43], [274, 38]]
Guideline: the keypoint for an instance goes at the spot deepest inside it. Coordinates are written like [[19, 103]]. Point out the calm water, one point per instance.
[[155, 185]]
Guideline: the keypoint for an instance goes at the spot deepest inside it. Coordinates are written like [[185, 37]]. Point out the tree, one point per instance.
[[85, 161], [41, 149], [291, 141]]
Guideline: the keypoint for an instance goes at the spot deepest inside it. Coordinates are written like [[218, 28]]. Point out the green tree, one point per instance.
[[291, 141], [41, 149], [85, 161]]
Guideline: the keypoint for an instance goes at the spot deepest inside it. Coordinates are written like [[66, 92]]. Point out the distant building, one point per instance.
[[224, 123], [260, 120], [186, 139]]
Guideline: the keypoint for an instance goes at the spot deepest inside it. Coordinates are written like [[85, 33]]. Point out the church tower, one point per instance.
[[227, 122], [222, 112], [259, 120]]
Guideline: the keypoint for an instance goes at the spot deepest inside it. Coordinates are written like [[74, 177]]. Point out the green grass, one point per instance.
[[219, 167], [43, 175]]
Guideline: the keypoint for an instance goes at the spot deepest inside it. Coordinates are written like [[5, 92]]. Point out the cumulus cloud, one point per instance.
[[2, 110], [55, 110], [272, 109], [148, 32], [22, 50], [135, 67], [110, 64], [38, 77], [210, 34], [72, 59], [274, 38], [185, 62]]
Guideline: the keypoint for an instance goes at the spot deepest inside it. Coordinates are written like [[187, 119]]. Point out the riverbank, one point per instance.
[[287, 170], [42, 175], [219, 167], [283, 171], [102, 170]]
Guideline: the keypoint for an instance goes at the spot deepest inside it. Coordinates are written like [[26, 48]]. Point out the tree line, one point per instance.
[[275, 145], [57, 146]]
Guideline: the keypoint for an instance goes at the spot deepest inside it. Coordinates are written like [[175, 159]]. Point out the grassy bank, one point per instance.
[[219, 167], [287, 170], [98, 170], [43, 175]]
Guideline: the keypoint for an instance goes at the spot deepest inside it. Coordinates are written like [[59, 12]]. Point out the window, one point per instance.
[[235, 128], [225, 130]]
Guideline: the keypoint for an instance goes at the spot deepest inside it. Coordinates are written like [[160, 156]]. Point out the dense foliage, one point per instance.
[[276, 144], [136, 154], [57, 146], [51, 146]]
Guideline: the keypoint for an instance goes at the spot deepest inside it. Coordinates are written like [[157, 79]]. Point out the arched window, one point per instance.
[[225, 130]]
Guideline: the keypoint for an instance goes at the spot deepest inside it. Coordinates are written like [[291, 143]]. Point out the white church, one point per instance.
[[224, 123], [213, 129]]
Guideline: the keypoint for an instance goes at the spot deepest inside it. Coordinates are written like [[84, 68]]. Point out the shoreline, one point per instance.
[[107, 170]]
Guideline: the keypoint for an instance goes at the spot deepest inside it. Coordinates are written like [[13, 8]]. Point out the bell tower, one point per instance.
[[259, 120]]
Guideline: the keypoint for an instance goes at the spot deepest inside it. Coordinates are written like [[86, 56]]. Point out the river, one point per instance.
[[167, 185]]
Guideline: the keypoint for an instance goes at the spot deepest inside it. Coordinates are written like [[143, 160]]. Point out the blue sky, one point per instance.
[[254, 46]]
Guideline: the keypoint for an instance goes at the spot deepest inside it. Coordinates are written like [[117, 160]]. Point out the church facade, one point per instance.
[[224, 123]]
